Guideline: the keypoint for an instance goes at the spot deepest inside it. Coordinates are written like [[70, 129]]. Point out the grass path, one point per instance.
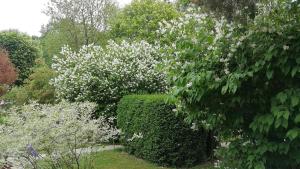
[[117, 159]]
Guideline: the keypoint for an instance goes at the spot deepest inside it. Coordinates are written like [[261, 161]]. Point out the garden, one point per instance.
[[190, 84]]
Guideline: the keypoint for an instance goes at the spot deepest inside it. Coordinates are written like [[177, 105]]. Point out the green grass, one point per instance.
[[121, 160]]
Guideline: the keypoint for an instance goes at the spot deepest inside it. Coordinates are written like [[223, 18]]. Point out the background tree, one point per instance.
[[22, 52], [91, 15], [59, 33], [140, 19], [230, 9]]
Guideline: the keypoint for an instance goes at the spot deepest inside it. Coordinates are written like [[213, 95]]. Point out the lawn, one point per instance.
[[120, 160]]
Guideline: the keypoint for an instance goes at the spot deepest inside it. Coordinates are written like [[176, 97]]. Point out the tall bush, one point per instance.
[[151, 130], [104, 75], [243, 80], [22, 52]]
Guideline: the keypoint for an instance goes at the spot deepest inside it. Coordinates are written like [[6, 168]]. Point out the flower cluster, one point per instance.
[[53, 134], [104, 75]]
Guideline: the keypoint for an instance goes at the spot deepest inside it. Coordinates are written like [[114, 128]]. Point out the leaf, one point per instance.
[[297, 119], [224, 89], [295, 101], [270, 74], [294, 71], [260, 165], [286, 114], [293, 133], [277, 123], [282, 97]]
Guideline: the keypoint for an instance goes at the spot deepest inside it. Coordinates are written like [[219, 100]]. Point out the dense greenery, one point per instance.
[[35, 88], [139, 20], [243, 80], [151, 130], [232, 10], [22, 52]]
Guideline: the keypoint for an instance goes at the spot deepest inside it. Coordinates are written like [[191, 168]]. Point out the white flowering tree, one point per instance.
[[242, 80], [104, 75], [46, 136]]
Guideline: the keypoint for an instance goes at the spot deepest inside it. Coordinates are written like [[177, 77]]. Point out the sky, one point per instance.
[[26, 15]]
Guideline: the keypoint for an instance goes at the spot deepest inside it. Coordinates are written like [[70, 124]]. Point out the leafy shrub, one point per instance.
[[8, 74], [242, 80], [104, 75], [51, 135], [35, 88], [152, 131], [22, 52], [139, 20]]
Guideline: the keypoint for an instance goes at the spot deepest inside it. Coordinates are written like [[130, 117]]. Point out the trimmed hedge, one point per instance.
[[152, 131]]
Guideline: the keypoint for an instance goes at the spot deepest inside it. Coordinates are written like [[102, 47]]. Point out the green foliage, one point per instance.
[[22, 52], [35, 88], [244, 80], [233, 10], [152, 131], [139, 20]]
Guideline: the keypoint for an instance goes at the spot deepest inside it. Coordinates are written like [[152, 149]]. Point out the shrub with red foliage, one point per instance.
[[8, 74]]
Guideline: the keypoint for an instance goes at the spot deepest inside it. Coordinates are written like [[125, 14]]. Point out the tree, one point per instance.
[[56, 34], [91, 15], [22, 52], [140, 19], [242, 80]]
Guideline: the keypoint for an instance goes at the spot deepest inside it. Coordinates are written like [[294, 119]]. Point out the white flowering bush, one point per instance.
[[104, 75], [242, 80], [51, 136]]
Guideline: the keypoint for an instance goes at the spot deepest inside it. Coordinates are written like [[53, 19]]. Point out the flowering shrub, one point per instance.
[[51, 134], [243, 80], [104, 75]]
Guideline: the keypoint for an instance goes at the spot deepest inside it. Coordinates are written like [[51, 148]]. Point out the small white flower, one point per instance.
[[189, 84]]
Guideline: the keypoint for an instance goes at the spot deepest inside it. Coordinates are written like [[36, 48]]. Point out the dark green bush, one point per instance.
[[22, 52], [166, 138]]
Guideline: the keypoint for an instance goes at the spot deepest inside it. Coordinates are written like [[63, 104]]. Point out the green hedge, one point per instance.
[[162, 137]]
